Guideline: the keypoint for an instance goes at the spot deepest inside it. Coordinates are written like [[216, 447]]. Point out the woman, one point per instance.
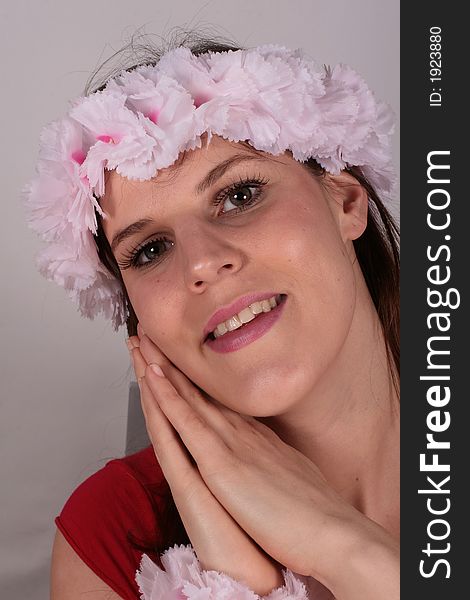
[[233, 199]]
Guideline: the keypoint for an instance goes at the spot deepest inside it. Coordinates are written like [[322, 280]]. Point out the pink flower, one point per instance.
[[120, 141], [104, 296], [59, 199], [189, 71], [169, 114], [70, 265], [184, 579]]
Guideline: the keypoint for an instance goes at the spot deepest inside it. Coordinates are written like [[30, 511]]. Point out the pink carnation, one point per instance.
[[184, 579], [120, 141], [59, 199]]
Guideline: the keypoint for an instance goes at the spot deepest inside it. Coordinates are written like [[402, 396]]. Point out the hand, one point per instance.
[[271, 491], [219, 542]]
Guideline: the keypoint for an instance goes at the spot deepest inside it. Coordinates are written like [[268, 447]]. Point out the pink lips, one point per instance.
[[249, 332], [238, 305]]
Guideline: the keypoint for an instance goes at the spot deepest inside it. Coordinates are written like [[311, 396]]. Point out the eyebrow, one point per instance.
[[216, 173], [209, 180]]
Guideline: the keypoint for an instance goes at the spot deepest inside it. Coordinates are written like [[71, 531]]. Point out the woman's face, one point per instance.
[[196, 257]]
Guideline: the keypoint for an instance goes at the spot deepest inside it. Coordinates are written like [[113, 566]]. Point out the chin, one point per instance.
[[269, 393]]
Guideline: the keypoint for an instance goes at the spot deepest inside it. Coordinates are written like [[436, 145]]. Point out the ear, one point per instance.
[[349, 205]]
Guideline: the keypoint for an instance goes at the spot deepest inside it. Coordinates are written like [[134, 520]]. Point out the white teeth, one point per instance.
[[220, 330], [265, 305], [233, 323], [246, 315]]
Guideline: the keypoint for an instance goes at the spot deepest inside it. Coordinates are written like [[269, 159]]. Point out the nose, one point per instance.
[[207, 256]]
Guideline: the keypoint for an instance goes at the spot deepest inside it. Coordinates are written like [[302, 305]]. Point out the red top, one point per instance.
[[117, 514]]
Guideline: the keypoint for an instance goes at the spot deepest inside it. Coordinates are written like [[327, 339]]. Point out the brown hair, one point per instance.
[[377, 249]]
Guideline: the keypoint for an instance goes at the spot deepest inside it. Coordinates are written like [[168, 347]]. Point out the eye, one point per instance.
[[243, 195], [143, 255], [240, 195]]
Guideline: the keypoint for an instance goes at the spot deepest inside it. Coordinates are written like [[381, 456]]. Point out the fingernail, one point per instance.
[[156, 369], [132, 343]]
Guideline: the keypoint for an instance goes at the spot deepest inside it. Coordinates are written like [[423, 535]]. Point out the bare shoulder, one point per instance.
[[71, 578]]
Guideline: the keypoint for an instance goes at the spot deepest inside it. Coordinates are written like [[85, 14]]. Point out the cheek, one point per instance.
[[328, 297], [155, 306], [308, 246], [270, 388]]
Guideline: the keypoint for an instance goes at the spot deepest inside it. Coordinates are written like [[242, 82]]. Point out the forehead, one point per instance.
[[187, 173]]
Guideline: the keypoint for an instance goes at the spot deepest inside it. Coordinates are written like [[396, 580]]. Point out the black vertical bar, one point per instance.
[[435, 271]]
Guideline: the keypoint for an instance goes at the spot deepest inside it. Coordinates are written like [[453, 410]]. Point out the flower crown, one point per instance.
[[270, 96]]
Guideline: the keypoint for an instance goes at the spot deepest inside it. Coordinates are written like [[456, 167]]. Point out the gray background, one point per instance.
[[65, 380]]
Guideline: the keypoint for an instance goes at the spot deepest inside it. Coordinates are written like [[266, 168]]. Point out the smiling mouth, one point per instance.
[[234, 324]]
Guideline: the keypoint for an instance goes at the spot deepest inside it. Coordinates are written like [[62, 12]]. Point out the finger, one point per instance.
[[194, 394], [223, 419], [176, 461], [138, 362], [131, 342], [149, 407], [158, 426], [200, 438], [149, 353], [172, 455], [207, 407]]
